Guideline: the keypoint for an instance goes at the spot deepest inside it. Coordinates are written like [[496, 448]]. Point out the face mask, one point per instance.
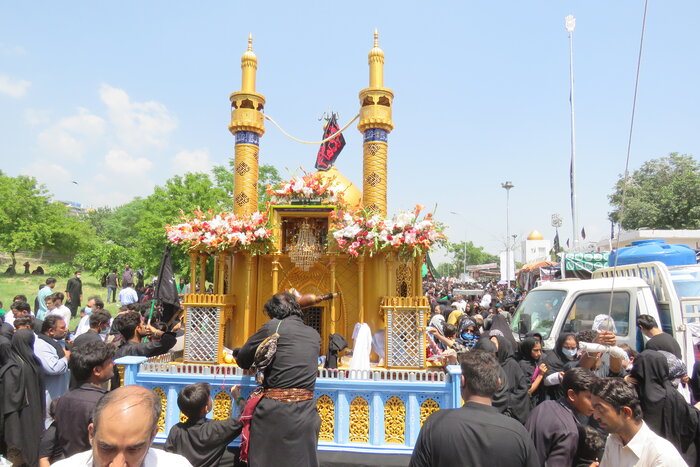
[[571, 353], [104, 331], [78, 276], [468, 337], [88, 310]]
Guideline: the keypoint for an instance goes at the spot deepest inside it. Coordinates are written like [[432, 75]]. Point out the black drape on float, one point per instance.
[[166, 292]]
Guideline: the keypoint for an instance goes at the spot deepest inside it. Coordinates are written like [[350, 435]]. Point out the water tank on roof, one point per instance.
[[643, 251]]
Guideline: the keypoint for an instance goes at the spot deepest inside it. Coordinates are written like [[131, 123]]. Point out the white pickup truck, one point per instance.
[[670, 294]]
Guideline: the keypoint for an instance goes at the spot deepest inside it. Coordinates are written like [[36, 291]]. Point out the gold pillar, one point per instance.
[[248, 285], [375, 125], [333, 302], [247, 125], [275, 274], [193, 272], [202, 273], [221, 272], [361, 287]]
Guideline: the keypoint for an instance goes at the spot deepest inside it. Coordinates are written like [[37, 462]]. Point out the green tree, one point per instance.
[[663, 193], [29, 220], [267, 175], [179, 194], [475, 255], [446, 270]]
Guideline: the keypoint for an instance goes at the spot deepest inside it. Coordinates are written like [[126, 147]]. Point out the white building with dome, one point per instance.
[[535, 248]]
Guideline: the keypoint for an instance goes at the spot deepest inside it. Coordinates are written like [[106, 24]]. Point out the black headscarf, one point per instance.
[[664, 409], [22, 397], [499, 323], [500, 399], [529, 365], [557, 362], [518, 384]]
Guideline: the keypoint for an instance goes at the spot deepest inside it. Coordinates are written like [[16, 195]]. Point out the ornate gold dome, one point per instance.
[[249, 55], [351, 195], [535, 235], [376, 51]]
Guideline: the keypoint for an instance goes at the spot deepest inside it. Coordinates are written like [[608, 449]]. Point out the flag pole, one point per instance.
[[570, 24]]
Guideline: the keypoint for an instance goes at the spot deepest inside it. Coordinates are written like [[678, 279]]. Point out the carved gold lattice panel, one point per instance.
[[203, 334], [163, 407], [394, 420], [359, 420], [242, 168], [374, 148], [326, 410], [426, 408], [405, 336], [242, 199], [222, 406], [404, 282]]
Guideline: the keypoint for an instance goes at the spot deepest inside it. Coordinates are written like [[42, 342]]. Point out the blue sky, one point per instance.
[[120, 96]]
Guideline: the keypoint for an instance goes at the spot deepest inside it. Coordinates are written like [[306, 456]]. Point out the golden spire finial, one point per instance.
[[249, 63], [376, 64]]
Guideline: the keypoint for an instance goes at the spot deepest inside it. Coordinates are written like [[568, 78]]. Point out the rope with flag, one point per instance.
[[329, 151], [267, 117]]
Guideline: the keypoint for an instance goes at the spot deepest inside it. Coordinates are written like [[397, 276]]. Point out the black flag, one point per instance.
[[557, 247], [166, 292], [567, 243], [328, 152], [583, 233]]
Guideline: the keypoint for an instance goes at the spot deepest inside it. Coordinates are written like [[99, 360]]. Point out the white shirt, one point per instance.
[[485, 301], [646, 448], [128, 296], [154, 458], [62, 311], [83, 326]]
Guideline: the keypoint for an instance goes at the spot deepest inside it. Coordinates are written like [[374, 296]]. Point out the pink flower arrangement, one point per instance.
[[308, 186], [211, 232], [359, 233]]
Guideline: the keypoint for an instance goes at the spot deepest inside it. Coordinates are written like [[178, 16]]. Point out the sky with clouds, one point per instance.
[[121, 96]]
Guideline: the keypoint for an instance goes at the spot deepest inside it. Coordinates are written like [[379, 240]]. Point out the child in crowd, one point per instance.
[[203, 442]]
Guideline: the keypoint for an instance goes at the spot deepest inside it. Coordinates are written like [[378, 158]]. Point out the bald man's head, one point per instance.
[[125, 422], [131, 399]]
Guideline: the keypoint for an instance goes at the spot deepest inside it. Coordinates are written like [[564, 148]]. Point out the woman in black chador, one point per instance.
[[22, 401], [285, 423]]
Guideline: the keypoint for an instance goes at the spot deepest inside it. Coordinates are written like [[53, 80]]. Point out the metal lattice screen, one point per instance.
[[405, 337], [312, 317], [202, 334]]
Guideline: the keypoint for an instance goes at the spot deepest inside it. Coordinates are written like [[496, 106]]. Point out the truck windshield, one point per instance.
[[538, 311]]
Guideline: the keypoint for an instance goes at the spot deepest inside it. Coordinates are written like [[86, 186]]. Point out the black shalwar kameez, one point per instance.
[[285, 433]]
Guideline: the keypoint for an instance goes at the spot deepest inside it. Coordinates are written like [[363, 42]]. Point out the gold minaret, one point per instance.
[[247, 125], [375, 125]]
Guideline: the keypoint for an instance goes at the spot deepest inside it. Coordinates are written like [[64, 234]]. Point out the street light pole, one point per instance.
[[570, 24], [507, 186]]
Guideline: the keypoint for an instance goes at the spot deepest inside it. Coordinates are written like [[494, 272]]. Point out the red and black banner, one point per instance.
[[328, 152]]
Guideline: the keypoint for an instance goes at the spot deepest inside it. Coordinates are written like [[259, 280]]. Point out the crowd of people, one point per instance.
[[586, 402], [52, 377]]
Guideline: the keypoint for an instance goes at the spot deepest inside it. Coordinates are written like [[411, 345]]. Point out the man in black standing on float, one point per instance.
[[74, 293], [475, 434], [285, 424]]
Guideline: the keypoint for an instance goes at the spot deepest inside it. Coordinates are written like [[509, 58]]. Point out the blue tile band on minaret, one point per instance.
[[375, 134], [247, 137]]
